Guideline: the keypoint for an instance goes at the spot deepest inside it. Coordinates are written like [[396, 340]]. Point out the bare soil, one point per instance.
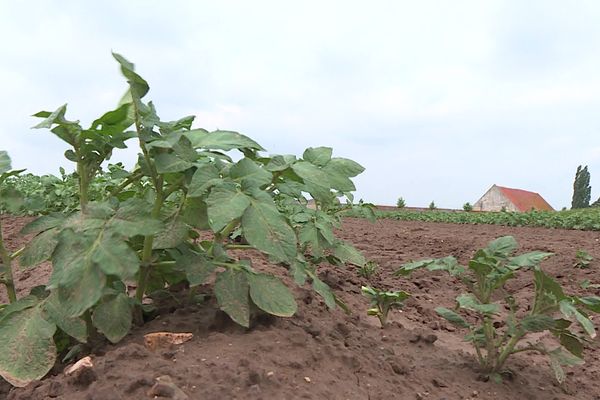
[[323, 354]]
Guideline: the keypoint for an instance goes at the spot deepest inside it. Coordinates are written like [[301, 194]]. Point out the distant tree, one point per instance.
[[401, 203], [582, 191], [467, 207], [432, 205]]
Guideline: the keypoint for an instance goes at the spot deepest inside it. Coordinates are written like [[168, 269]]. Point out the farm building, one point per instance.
[[498, 198]]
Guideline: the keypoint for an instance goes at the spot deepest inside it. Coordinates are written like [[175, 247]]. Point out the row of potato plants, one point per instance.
[[145, 229], [583, 219]]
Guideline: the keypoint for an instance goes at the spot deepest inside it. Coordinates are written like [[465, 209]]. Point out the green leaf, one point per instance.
[[133, 218], [170, 163], [452, 317], [280, 163], [203, 179], [344, 166], [559, 373], [570, 311], [271, 295], [222, 140], [139, 87], [231, 290], [558, 358], [590, 302], [74, 327], [348, 254], [503, 246], [268, 231], [112, 317], [319, 156], [250, 174], [39, 249], [79, 280], [316, 180], [469, 302], [225, 204], [115, 257], [28, 350], [43, 223], [197, 267], [571, 343], [537, 323], [195, 213], [4, 162], [529, 260], [174, 233], [325, 291]]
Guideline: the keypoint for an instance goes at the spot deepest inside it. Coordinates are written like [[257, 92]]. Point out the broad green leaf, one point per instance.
[[529, 260], [203, 179], [469, 302], [590, 302], [170, 163], [28, 350], [548, 292], [325, 291], [268, 231], [319, 156], [271, 295], [78, 279], [115, 257], [225, 204], [112, 317], [407, 268], [197, 267], [338, 178], [221, 140], [195, 213], [231, 290], [250, 174], [558, 358], [452, 317], [298, 271], [570, 311], [571, 343], [503, 246], [11, 199], [348, 254], [174, 233], [280, 163], [316, 180], [4, 162], [40, 248], [344, 166], [74, 327], [559, 373], [43, 223], [133, 218], [537, 323], [139, 87], [56, 117]]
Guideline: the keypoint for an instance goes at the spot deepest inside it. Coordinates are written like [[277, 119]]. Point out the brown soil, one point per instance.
[[322, 354]]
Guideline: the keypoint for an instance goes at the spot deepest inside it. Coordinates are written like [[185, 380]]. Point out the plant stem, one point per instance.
[[508, 350], [136, 175], [146, 262], [17, 253], [8, 275]]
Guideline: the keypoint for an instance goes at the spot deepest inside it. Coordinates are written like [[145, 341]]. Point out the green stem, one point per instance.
[[238, 247], [8, 275], [83, 186], [136, 175], [146, 262], [17, 253], [508, 350]]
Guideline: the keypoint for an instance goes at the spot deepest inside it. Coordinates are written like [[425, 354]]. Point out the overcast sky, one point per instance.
[[438, 100]]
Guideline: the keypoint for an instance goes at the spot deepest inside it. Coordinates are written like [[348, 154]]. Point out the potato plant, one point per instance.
[[583, 259], [498, 332], [145, 231], [383, 301]]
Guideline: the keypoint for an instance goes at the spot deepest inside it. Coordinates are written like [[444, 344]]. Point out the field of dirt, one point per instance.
[[323, 354]]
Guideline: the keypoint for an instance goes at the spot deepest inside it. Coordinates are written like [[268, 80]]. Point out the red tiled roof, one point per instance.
[[524, 200]]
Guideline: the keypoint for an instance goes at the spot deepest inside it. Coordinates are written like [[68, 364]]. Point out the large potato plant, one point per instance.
[[192, 183]]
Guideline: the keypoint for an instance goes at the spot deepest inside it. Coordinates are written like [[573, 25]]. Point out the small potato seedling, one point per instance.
[[383, 301], [368, 269], [583, 259], [497, 326]]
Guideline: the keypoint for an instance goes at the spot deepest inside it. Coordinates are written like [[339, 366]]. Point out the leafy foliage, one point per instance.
[[383, 301], [401, 203], [102, 229], [432, 205], [582, 219], [583, 259], [368, 269], [581, 188], [484, 278], [468, 207]]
